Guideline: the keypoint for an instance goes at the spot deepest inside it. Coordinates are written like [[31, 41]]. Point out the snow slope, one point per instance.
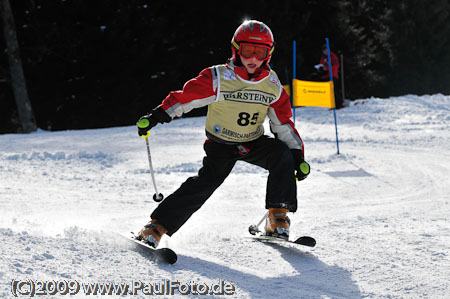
[[379, 211]]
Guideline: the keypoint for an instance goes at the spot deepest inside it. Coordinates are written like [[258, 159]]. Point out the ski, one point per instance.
[[305, 240], [258, 235], [164, 255]]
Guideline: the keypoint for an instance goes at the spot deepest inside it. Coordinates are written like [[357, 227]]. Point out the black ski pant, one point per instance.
[[266, 152]]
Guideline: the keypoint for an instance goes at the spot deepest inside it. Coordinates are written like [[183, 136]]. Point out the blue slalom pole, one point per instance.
[[294, 74], [331, 79], [329, 60], [335, 125]]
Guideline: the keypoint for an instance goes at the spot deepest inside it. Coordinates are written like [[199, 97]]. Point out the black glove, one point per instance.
[[146, 122], [301, 168], [302, 171]]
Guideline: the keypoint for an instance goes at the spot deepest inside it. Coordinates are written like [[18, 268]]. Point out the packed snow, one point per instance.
[[379, 210]]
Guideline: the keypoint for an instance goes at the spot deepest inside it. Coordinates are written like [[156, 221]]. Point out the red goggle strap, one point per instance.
[[235, 45]]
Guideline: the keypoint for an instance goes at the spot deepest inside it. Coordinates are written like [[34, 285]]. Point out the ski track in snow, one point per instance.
[[379, 211]]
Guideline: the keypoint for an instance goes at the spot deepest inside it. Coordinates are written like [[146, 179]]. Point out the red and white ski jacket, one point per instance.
[[202, 91], [334, 65]]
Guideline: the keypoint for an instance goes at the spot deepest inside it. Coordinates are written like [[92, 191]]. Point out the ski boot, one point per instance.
[[277, 223], [152, 233]]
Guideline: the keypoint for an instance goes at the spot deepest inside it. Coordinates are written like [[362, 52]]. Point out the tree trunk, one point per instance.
[[18, 83]]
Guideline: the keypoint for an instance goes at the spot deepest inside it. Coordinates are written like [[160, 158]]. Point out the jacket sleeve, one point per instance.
[[197, 92], [281, 125]]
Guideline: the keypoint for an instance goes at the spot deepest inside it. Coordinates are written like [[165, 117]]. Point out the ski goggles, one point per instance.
[[261, 52]]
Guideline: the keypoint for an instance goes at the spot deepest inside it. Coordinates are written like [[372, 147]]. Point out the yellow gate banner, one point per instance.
[[317, 94]]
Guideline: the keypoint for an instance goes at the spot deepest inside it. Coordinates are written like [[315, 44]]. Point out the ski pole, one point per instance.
[[253, 229], [157, 196]]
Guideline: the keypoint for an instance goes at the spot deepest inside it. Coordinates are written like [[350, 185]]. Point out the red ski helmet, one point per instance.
[[252, 32]]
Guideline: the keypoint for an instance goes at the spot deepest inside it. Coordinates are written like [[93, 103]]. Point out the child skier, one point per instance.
[[239, 95]]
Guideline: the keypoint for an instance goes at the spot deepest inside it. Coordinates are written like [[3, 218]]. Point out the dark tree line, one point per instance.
[[17, 78], [100, 63]]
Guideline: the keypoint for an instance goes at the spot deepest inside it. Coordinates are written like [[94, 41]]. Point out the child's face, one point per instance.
[[251, 64]]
